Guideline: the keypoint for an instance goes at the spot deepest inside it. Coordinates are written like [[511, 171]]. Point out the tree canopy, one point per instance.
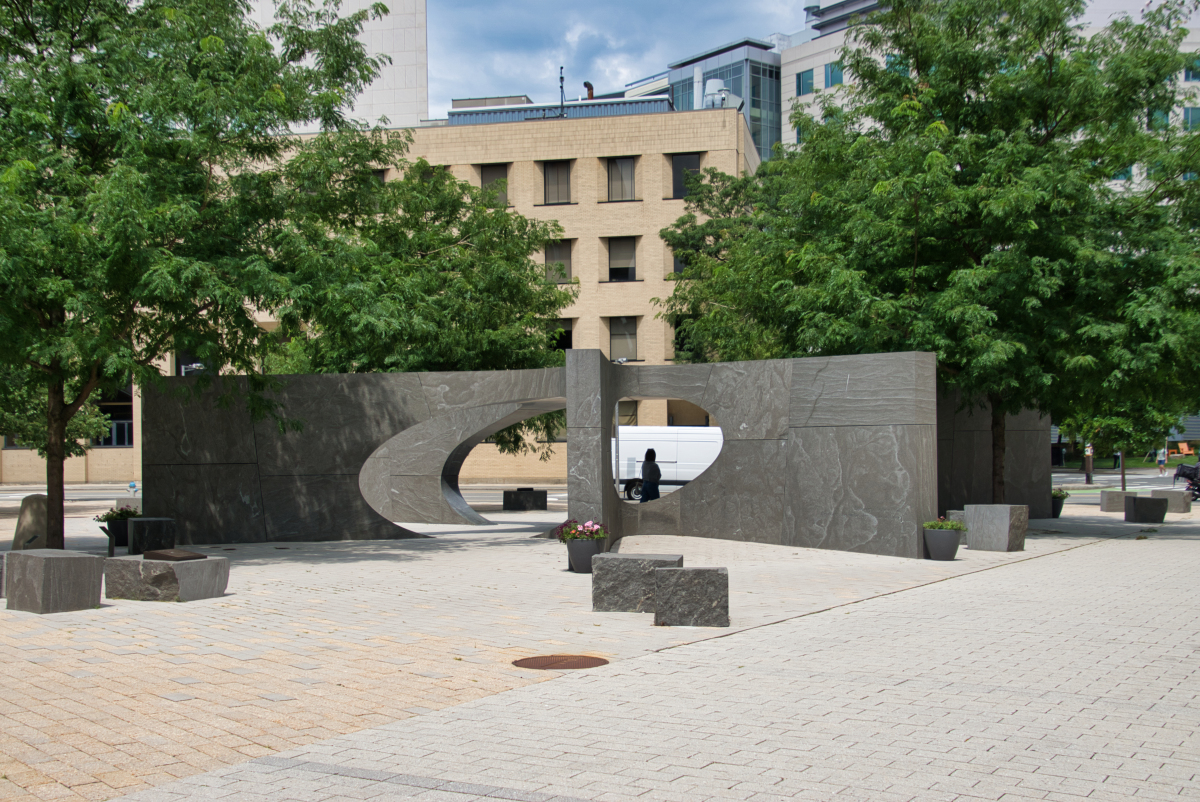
[[154, 201], [994, 185]]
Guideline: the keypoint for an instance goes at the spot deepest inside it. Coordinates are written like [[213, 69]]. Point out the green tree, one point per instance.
[[958, 198]]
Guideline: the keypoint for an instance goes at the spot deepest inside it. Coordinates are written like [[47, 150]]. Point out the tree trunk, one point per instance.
[[56, 450], [997, 450]]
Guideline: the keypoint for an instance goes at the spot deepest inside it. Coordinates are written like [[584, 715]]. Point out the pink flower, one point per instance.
[[588, 524]]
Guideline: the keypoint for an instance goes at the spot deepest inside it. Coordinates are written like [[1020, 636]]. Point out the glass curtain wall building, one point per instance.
[[750, 70]]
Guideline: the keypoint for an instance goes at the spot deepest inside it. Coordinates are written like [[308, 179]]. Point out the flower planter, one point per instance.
[[1056, 505], [120, 532], [942, 543], [581, 551]]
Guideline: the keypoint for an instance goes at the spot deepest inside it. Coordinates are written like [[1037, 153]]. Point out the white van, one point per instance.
[[682, 454]]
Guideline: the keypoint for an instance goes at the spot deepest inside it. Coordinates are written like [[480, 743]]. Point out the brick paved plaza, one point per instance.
[[383, 670]]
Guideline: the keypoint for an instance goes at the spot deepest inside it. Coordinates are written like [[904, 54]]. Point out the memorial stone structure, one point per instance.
[[827, 452]]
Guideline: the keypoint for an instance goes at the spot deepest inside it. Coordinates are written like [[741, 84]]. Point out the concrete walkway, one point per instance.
[[378, 670]]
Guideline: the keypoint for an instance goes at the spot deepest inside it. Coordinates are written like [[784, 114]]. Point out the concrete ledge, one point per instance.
[[52, 580], [996, 527], [161, 580], [1114, 500], [1145, 510], [624, 583], [1177, 500], [691, 597]]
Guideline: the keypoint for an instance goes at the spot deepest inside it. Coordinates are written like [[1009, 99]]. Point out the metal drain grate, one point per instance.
[[558, 662]]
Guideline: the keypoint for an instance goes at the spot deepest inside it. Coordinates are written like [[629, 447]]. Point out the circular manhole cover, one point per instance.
[[558, 662]]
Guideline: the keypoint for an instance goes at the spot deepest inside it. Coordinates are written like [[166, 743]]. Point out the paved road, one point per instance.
[[1068, 677]]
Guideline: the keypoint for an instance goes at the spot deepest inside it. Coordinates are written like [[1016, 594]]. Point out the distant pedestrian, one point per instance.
[[1162, 462], [650, 477]]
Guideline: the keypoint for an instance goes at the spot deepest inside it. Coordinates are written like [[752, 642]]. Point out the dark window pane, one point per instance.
[[558, 182], [622, 258], [627, 413], [622, 342], [564, 339], [682, 163], [558, 254], [804, 83], [1192, 73], [833, 74], [491, 173], [679, 265], [1191, 118], [620, 179]]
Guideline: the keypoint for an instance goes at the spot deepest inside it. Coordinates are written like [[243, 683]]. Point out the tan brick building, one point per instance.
[[613, 182]]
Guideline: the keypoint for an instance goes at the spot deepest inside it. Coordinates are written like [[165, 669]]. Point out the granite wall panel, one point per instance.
[[750, 400], [866, 390], [311, 508], [180, 428], [210, 503]]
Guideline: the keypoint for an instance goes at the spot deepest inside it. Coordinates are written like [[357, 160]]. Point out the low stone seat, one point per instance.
[[151, 534], [624, 583], [1177, 500], [996, 527], [691, 597], [525, 499], [140, 579], [1114, 500], [1145, 510], [52, 580]]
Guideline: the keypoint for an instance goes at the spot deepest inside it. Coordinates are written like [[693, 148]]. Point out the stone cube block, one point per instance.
[[996, 527], [525, 500], [1177, 500], [1145, 510], [956, 515], [151, 534], [53, 580], [691, 597], [1114, 500], [140, 579], [624, 583]]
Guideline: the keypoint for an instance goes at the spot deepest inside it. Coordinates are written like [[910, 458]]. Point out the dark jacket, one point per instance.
[[650, 472]]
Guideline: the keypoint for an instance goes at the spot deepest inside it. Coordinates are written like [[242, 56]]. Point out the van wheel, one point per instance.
[[633, 491]]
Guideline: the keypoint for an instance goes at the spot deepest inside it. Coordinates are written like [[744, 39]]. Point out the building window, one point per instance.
[[490, 174], [627, 413], [558, 182], [118, 407], [833, 74], [380, 176], [564, 341], [681, 165], [679, 265], [1191, 118], [622, 258], [558, 261], [804, 83], [897, 65], [620, 180], [622, 342], [12, 442], [120, 436], [1192, 73]]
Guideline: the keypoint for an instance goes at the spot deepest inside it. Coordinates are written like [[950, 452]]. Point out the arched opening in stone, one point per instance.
[[684, 436]]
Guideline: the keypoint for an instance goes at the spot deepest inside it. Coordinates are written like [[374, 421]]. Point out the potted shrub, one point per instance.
[[584, 541], [1058, 497], [118, 523], [942, 538]]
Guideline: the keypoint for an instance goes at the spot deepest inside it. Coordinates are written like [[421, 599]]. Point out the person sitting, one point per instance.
[[651, 475]]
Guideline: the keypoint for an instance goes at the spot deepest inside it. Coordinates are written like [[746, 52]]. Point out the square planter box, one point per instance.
[[996, 527], [624, 583], [1145, 510], [691, 597], [140, 579], [525, 500]]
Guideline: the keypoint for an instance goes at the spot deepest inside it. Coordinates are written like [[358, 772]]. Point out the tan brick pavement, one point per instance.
[[319, 640]]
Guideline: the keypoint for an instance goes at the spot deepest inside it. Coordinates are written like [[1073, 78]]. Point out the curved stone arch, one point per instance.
[[413, 476]]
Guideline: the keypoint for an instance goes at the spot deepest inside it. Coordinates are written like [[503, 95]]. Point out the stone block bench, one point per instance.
[[1114, 500], [1145, 510], [151, 534], [1177, 500], [691, 597], [624, 583], [525, 499], [996, 527], [52, 580], [175, 576]]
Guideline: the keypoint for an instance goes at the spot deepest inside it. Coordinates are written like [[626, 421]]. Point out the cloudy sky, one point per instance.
[[481, 48]]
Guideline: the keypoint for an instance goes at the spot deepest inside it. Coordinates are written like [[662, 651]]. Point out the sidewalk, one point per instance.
[[323, 640]]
